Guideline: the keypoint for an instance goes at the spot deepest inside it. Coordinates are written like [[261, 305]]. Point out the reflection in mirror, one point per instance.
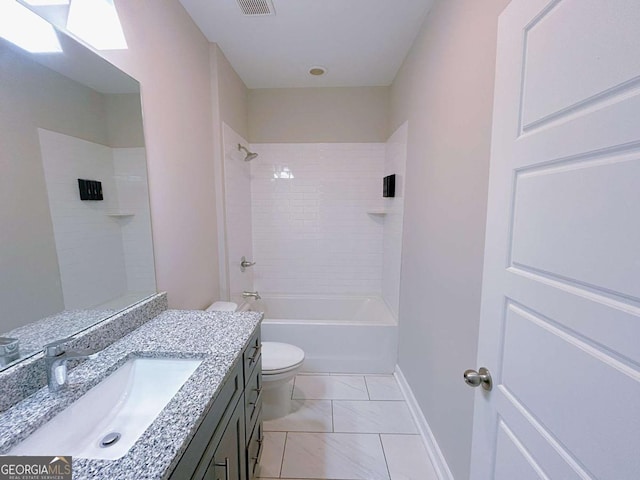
[[67, 263]]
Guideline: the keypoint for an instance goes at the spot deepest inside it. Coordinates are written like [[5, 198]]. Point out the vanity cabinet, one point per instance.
[[228, 462], [228, 443], [253, 405]]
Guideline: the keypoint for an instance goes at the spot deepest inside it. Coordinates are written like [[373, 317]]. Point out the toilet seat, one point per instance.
[[278, 358]]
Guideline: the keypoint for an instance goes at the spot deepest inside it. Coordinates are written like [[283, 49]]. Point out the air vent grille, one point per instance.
[[256, 7]]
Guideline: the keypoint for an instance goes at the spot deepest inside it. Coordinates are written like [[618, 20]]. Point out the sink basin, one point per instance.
[[107, 420]]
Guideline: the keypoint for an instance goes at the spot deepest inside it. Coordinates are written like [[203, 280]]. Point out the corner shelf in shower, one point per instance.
[[377, 212]]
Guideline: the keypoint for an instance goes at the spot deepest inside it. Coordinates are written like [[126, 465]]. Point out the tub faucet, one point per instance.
[[56, 358], [255, 295]]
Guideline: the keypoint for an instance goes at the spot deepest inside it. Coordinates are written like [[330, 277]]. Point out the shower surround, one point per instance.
[[311, 230], [313, 217], [326, 243]]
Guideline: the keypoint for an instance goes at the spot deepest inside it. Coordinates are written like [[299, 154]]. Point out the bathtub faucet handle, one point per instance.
[[244, 264]]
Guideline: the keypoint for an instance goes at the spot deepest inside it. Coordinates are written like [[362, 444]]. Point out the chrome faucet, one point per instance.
[[244, 264], [255, 295], [56, 363]]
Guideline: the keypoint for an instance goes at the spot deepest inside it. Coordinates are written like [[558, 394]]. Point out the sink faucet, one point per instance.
[[255, 295], [56, 358]]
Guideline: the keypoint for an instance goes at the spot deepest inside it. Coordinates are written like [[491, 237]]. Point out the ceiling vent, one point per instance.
[[256, 8]]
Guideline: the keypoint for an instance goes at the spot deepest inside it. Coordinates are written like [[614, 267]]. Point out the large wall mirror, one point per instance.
[[68, 262]]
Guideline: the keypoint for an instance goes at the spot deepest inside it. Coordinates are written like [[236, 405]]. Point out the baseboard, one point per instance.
[[435, 454]]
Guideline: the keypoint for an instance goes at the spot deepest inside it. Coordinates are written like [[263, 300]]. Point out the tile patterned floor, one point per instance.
[[345, 427]]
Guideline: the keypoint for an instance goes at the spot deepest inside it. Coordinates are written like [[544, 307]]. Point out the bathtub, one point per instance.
[[338, 334]]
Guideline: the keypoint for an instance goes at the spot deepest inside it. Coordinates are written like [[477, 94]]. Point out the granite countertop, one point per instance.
[[218, 338], [35, 335]]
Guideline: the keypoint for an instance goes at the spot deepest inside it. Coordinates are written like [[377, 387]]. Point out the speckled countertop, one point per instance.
[[218, 338]]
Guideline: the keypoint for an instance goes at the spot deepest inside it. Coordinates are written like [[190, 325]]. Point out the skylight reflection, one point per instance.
[[42, 3], [22, 27], [97, 23]]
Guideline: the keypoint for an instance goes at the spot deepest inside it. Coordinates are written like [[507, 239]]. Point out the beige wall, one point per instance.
[[170, 57], [232, 94], [310, 115], [445, 90], [33, 97], [124, 120]]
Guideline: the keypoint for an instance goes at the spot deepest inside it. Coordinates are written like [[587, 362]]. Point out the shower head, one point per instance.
[[249, 155]]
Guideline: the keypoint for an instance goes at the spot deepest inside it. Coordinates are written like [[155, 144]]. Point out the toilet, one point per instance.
[[280, 364]]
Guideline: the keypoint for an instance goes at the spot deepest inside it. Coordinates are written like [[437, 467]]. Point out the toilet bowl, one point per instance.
[[280, 364]]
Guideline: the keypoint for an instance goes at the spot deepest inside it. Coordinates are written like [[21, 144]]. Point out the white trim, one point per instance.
[[435, 454]]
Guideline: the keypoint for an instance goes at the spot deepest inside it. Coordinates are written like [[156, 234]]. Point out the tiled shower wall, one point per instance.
[[311, 230], [395, 163], [130, 168], [88, 242], [95, 250]]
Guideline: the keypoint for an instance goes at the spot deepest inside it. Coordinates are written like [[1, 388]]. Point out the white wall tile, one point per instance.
[[102, 259], [395, 163], [88, 242], [130, 168], [311, 232]]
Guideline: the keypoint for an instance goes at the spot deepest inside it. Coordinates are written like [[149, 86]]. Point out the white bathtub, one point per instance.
[[338, 334]]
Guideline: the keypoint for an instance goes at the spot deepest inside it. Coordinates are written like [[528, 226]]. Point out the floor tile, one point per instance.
[[407, 458], [372, 417], [306, 416], [383, 387], [334, 456], [273, 450], [330, 387]]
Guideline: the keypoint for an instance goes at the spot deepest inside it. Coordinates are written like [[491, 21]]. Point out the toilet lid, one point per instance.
[[280, 356]]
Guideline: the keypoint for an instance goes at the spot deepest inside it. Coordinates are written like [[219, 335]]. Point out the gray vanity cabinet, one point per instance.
[[253, 404], [227, 445], [228, 462]]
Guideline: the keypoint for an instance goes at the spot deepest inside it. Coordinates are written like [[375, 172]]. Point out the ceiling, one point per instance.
[[77, 61], [359, 42]]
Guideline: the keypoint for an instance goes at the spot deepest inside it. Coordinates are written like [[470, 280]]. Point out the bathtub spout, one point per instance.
[[255, 295]]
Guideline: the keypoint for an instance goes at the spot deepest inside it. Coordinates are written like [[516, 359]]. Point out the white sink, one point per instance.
[[126, 403]]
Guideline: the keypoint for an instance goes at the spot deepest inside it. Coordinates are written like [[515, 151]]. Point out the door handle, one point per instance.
[[481, 377]]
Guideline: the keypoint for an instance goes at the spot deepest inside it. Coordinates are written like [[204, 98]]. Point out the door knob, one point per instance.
[[481, 377]]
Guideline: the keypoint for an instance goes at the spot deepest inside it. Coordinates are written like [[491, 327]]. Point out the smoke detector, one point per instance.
[[256, 8]]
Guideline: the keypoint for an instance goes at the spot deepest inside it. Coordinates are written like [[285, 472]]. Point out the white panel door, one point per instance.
[[560, 320]]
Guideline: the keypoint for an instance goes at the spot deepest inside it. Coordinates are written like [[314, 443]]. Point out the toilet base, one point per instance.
[[276, 400]]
